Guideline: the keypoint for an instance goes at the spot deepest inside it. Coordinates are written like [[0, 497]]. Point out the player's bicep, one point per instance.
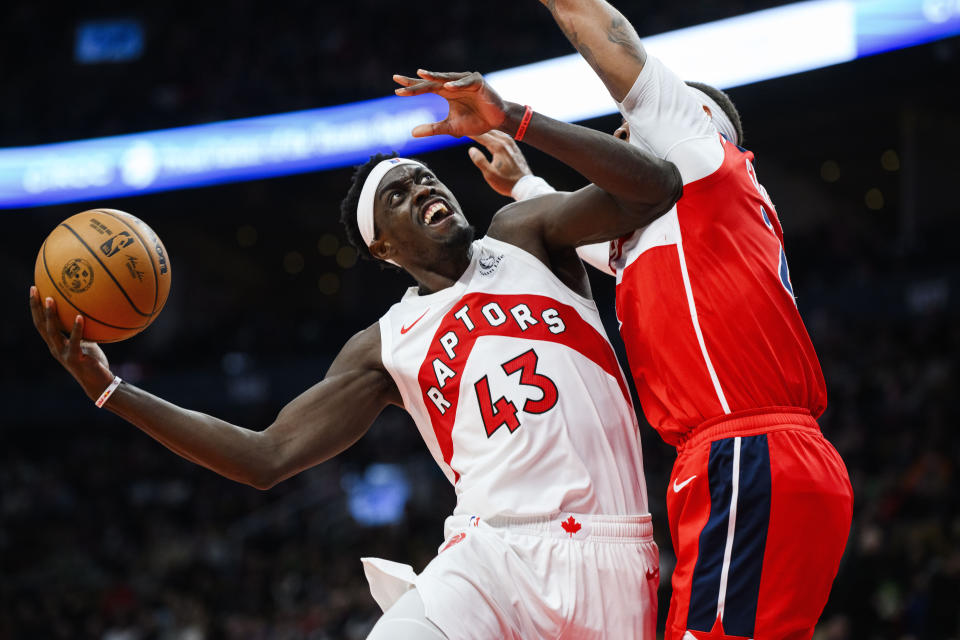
[[337, 411]]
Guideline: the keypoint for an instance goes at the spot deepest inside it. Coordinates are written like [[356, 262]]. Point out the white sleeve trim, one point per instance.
[[530, 186], [668, 120]]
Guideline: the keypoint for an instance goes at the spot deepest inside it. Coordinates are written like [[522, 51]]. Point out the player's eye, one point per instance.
[[426, 178], [394, 197]]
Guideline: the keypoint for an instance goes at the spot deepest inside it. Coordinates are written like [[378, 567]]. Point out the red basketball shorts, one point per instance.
[[760, 506]]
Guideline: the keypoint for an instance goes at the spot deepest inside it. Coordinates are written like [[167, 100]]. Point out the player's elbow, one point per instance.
[[656, 196], [261, 476], [263, 483], [672, 187], [269, 466], [267, 477]]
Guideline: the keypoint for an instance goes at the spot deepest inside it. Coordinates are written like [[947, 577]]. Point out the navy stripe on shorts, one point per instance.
[[749, 538]]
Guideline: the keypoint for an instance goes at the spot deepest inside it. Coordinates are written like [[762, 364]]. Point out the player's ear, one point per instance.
[[381, 249], [623, 131]]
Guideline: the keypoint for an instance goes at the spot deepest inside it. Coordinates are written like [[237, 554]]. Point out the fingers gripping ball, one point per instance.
[[108, 266]]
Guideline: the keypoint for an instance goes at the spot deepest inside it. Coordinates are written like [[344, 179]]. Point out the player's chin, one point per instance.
[[456, 232]]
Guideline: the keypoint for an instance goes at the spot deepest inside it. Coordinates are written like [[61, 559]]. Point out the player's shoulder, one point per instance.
[[363, 347], [520, 224], [522, 216]]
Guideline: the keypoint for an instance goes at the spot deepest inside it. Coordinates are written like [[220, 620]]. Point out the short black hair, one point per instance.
[[722, 99], [348, 206]]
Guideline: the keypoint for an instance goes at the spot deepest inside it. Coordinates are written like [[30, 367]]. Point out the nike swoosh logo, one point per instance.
[[403, 330], [678, 487]]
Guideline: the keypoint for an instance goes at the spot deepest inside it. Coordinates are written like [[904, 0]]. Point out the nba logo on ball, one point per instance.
[[107, 266], [115, 243], [77, 275]]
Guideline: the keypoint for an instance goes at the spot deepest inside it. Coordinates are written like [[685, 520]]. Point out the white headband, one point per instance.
[[720, 119], [369, 192]]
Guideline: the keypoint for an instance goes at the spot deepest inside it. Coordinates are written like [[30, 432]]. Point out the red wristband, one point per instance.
[[527, 114]]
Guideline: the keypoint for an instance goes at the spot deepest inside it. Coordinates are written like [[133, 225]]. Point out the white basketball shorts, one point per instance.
[[569, 576]]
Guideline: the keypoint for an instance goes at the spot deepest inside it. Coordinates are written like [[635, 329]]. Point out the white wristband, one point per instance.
[[108, 391], [530, 186]]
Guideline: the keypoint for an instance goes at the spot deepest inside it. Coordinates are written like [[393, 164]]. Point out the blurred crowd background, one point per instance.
[[107, 535]]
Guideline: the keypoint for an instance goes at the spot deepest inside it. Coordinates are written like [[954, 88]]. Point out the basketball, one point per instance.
[[108, 266]]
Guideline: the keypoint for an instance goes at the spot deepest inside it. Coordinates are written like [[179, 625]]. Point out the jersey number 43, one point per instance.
[[503, 412]]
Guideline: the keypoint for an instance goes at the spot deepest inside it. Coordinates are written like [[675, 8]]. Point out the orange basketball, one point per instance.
[[108, 266]]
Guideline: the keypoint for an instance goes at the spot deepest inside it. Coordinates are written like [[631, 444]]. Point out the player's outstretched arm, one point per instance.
[[315, 426], [605, 39]]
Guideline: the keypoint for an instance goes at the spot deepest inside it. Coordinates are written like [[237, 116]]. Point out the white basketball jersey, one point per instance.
[[516, 390]]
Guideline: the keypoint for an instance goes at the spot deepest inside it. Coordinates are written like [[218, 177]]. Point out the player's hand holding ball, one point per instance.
[[103, 276], [85, 361]]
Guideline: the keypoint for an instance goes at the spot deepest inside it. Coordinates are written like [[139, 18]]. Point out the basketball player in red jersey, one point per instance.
[[759, 502], [499, 356]]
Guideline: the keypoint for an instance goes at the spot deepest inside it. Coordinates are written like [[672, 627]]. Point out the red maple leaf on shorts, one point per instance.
[[570, 525]]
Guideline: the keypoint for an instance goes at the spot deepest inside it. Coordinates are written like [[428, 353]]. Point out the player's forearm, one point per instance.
[[605, 39], [233, 452], [628, 174]]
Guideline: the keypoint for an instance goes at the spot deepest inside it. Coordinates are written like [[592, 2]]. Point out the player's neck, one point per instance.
[[442, 273]]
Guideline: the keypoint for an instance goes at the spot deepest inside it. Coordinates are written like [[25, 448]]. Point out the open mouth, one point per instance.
[[435, 213]]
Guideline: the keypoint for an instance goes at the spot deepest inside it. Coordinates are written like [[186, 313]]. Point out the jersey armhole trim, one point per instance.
[[386, 356]]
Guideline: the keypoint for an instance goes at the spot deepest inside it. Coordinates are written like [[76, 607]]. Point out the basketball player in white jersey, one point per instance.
[[499, 356]]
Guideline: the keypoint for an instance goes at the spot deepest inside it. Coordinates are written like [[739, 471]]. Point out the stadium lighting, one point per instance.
[[726, 53]]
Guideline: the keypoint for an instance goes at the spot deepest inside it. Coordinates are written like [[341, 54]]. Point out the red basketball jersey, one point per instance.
[[704, 297]]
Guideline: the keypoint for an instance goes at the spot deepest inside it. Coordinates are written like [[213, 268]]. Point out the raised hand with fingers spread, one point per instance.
[[475, 108]]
